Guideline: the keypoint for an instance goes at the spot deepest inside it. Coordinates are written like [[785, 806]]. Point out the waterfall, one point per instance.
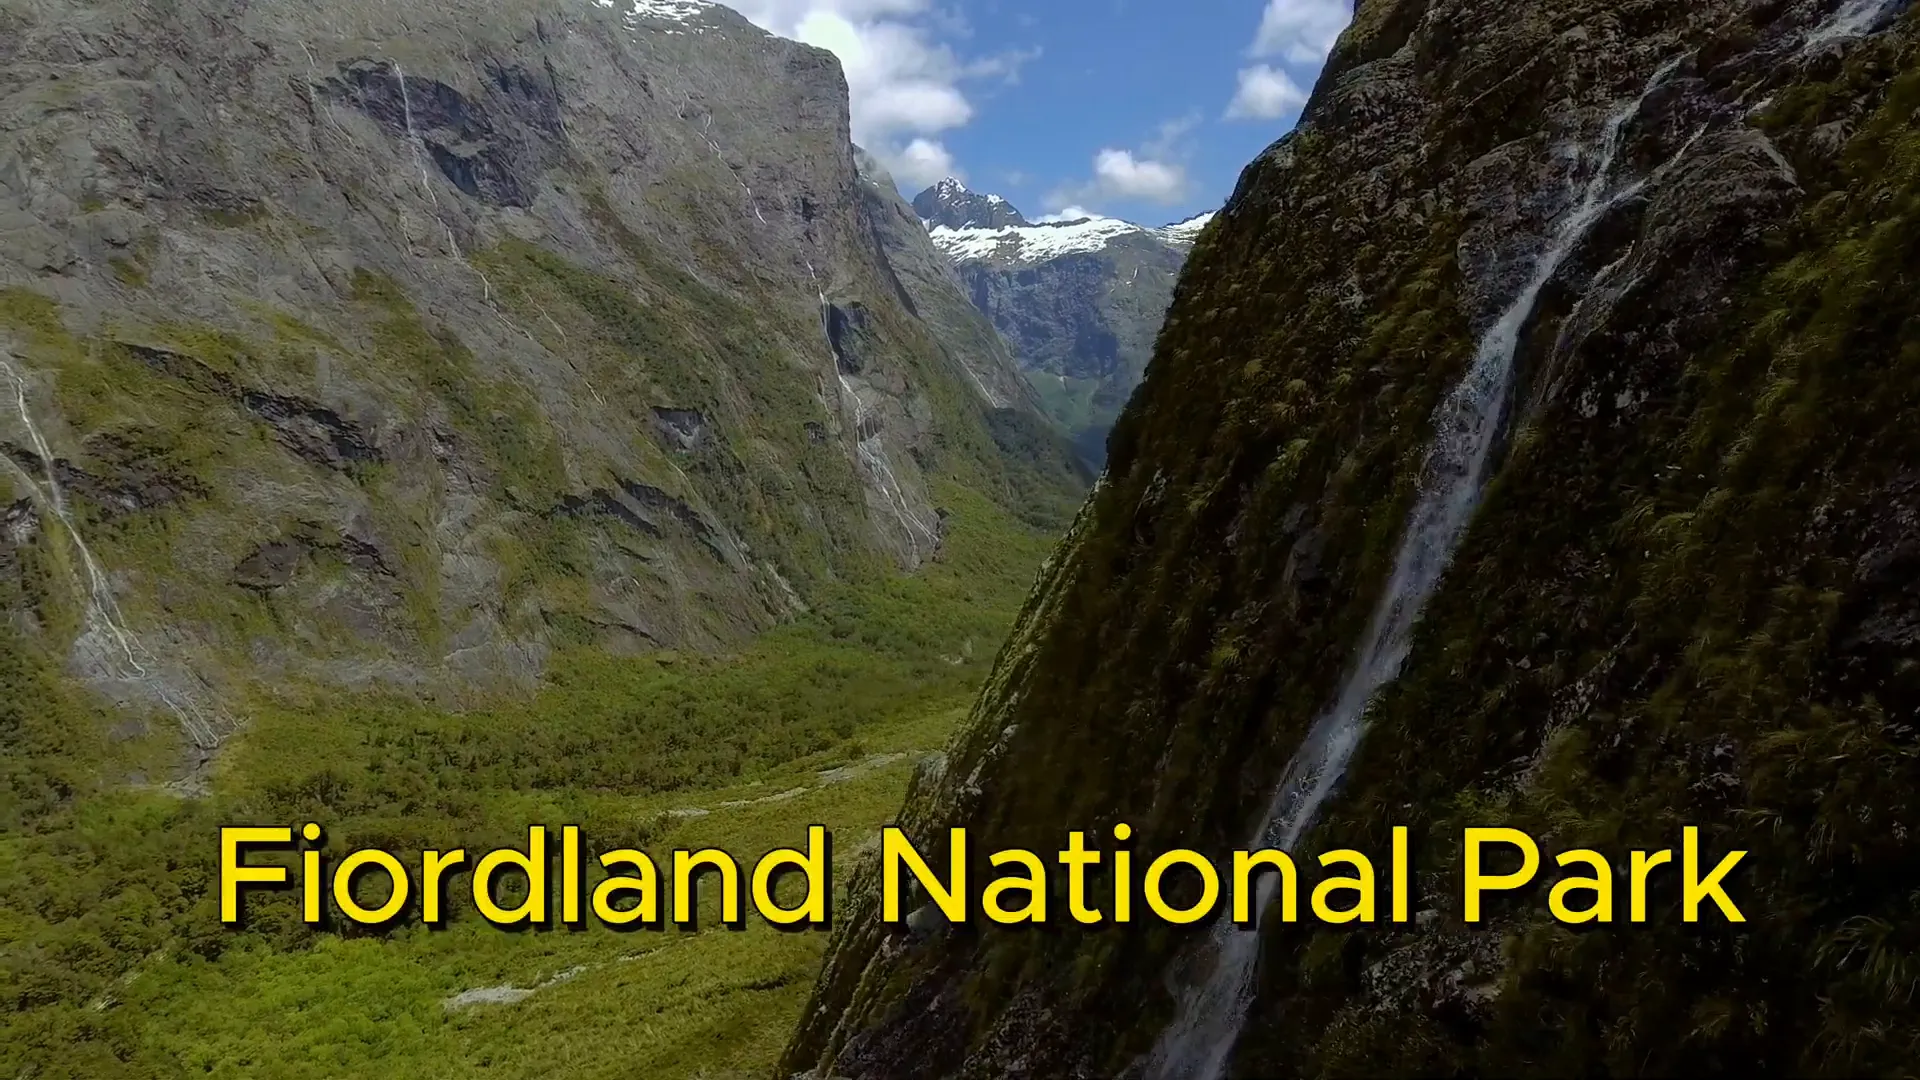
[[413, 134], [874, 455], [414, 144], [706, 135], [868, 448], [105, 642], [1467, 424], [1855, 18]]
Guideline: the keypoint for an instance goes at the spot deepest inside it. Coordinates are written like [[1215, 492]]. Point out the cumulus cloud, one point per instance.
[[1066, 213], [1298, 33], [922, 163], [904, 81], [1266, 93], [1301, 31], [1120, 175]]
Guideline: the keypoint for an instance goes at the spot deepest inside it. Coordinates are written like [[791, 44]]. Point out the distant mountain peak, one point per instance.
[[948, 204], [1185, 232]]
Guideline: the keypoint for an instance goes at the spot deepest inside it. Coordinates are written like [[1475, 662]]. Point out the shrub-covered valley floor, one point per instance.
[[115, 963]]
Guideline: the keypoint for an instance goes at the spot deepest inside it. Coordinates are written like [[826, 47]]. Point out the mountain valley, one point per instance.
[[424, 423], [428, 420]]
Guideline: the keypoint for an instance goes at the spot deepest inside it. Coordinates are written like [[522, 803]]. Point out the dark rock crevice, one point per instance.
[[274, 564], [647, 510], [494, 150], [685, 430], [309, 430], [849, 331], [127, 478]]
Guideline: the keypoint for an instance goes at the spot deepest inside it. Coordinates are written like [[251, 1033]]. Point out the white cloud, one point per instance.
[[1119, 173], [1066, 213], [1298, 32], [922, 163], [905, 83], [1301, 31], [1266, 93]]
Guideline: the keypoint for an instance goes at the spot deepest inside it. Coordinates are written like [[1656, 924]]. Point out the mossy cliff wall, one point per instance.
[[1686, 599]]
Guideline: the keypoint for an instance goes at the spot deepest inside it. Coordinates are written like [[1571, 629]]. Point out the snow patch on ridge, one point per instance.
[[1050, 240], [1185, 232], [1034, 243], [679, 11]]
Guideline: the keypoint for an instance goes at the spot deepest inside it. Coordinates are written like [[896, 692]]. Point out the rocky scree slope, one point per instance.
[[1682, 596], [402, 343], [1079, 302]]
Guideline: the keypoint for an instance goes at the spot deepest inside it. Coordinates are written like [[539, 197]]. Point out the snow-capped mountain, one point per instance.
[[1080, 301], [949, 205], [1186, 232], [972, 226]]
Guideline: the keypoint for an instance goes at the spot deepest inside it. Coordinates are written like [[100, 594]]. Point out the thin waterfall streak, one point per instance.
[[100, 602], [413, 135], [38, 494], [869, 450], [1197, 1044], [414, 144], [104, 622]]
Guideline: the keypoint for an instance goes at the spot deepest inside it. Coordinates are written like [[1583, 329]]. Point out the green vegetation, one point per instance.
[[469, 539], [116, 965], [108, 932], [1738, 668], [1686, 600]]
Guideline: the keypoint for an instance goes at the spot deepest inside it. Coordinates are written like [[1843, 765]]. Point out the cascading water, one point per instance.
[[105, 645], [868, 447], [1855, 18], [414, 144], [706, 134], [413, 134], [1467, 424]]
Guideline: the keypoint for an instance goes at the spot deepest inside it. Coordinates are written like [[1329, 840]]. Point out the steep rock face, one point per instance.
[[405, 342], [1680, 593], [1079, 302], [929, 286]]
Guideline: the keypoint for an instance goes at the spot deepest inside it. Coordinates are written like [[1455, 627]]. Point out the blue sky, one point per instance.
[[1142, 109]]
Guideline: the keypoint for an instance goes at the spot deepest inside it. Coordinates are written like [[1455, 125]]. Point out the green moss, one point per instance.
[[1680, 580], [238, 218], [1673, 621], [26, 310], [498, 415], [130, 272]]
